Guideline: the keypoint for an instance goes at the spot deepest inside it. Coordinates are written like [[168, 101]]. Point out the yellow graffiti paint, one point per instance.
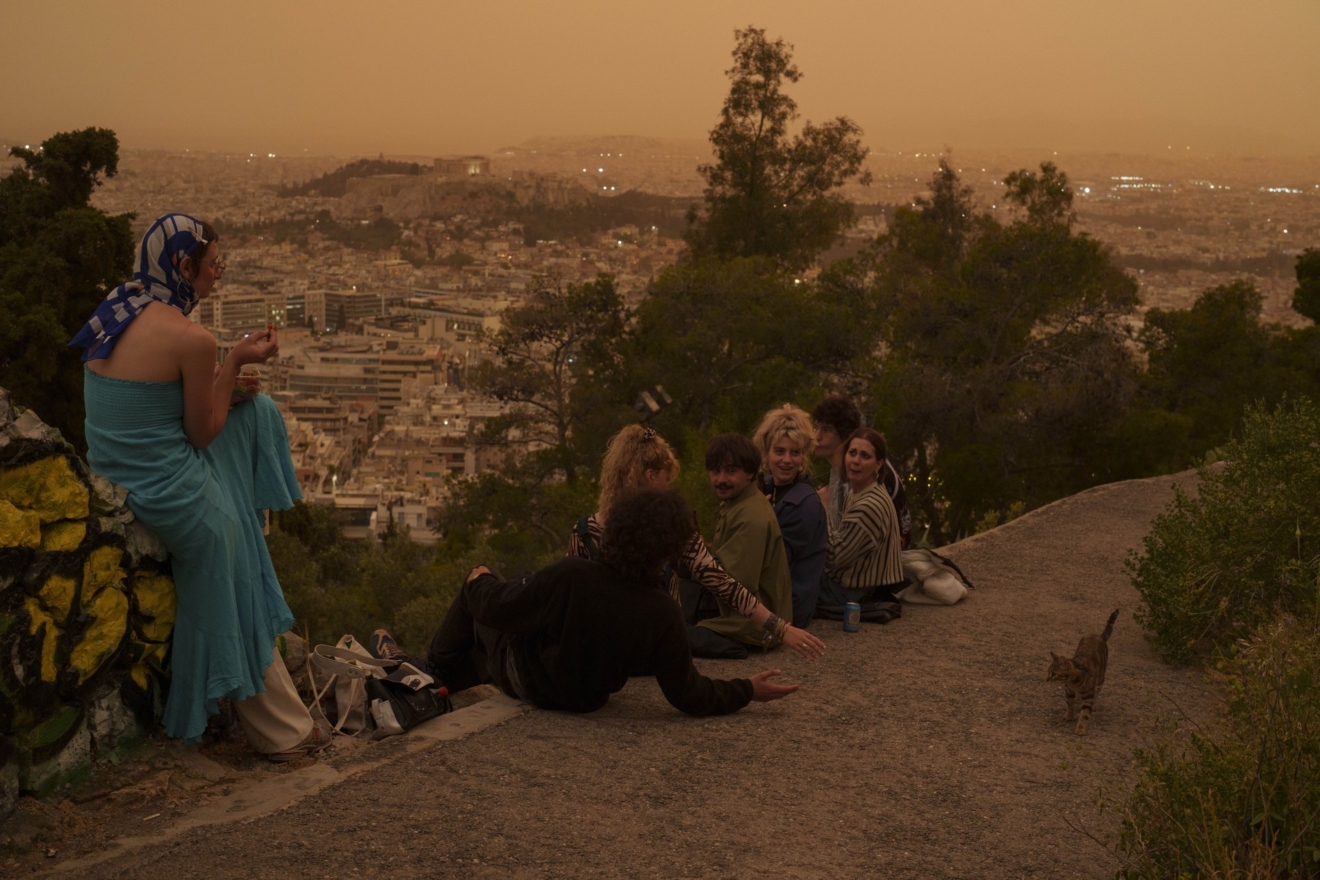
[[48, 487], [155, 599], [100, 640], [18, 528], [49, 641], [63, 536], [57, 595], [102, 570], [153, 654], [156, 603], [140, 675]]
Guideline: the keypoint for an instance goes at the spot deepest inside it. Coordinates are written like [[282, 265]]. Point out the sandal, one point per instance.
[[317, 740]]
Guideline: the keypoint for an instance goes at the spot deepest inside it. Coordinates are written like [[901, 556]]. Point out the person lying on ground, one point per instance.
[[571, 634], [638, 457]]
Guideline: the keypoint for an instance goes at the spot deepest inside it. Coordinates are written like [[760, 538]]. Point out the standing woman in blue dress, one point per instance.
[[198, 473]]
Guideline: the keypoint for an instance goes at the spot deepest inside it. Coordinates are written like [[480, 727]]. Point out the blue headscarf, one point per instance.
[[157, 279]]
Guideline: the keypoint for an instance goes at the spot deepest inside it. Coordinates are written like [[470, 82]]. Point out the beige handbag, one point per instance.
[[345, 667], [935, 579]]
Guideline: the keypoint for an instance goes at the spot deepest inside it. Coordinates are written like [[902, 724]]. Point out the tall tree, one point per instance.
[[1206, 362], [541, 351], [1205, 365], [58, 257], [1306, 298], [1003, 353], [1046, 197], [770, 193], [727, 339]]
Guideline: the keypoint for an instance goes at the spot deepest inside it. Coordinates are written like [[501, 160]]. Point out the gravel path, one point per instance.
[[931, 748]]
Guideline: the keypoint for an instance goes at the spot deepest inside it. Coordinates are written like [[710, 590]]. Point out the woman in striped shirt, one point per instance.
[[864, 563], [639, 458]]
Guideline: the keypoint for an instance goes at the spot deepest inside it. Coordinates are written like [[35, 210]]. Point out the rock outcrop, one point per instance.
[[86, 612]]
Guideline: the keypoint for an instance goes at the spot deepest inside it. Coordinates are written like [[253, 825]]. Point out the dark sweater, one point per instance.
[[579, 627]]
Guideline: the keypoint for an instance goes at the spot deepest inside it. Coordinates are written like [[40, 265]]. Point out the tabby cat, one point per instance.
[[1084, 673]]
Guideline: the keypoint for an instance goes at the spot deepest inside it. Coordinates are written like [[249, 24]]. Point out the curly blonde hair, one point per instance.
[[785, 421], [628, 456]]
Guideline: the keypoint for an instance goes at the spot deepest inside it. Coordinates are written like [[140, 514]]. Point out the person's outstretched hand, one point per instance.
[[764, 690], [476, 573], [804, 642]]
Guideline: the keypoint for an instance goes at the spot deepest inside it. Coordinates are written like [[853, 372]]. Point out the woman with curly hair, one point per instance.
[[639, 458], [786, 440]]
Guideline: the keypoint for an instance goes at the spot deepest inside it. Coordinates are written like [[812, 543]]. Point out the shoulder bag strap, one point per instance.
[[953, 565]]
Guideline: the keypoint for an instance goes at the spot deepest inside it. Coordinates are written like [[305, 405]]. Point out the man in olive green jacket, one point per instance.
[[746, 541]]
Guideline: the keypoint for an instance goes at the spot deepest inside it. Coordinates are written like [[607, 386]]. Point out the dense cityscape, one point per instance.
[[378, 333]]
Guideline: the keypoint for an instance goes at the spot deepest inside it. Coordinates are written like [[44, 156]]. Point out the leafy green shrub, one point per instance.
[[335, 585], [416, 622], [1246, 548], [1240, 800]]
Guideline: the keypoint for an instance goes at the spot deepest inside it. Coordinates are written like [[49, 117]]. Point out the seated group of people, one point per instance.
[[782, 552]]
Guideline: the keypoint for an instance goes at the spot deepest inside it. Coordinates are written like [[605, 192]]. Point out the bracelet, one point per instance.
[[770, 623]]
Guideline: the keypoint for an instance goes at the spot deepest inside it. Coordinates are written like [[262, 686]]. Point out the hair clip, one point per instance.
[[648, 434]]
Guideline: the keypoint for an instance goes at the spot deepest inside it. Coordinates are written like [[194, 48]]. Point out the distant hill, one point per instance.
[[549, 206], [597, 145], [335, 184], [668, 215]]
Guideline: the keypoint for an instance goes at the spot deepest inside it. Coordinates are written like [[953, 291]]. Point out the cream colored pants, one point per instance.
[[276, 719]]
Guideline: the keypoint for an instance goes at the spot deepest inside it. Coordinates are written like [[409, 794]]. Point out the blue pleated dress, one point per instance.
[[204, 504]]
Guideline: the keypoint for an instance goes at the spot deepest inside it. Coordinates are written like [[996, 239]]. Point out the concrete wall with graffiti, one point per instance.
[[86, 613]]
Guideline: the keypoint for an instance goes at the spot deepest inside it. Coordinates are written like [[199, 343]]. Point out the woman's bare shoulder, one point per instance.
[[154, 346], [173, 328]]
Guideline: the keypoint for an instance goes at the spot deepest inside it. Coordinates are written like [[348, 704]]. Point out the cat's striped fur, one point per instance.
[[1083, 674]]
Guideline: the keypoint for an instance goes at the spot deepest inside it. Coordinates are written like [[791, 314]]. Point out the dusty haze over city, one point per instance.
[[470, 226], [425, 78]]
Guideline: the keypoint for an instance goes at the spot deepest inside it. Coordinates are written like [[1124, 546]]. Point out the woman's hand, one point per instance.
[[804, 642], [255, 348]]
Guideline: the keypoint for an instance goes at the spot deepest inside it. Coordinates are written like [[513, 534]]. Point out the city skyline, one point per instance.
[[335, 78]]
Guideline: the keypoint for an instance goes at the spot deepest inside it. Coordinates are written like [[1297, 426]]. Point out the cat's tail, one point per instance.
[[1109, 627]]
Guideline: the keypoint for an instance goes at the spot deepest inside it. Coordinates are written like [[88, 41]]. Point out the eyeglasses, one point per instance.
[[218, 266]]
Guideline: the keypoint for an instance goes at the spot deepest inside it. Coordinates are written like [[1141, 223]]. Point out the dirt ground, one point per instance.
[[931, 747]]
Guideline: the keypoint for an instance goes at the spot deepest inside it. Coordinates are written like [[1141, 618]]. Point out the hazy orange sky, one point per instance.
[[427, 78]]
